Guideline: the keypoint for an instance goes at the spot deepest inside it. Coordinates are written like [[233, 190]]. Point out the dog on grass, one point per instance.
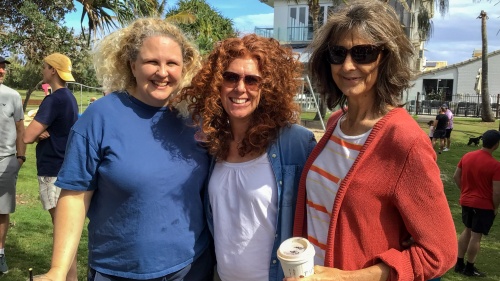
[[474, 141]]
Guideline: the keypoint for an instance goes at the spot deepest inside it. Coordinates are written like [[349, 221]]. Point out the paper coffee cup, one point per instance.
[[296, 255]]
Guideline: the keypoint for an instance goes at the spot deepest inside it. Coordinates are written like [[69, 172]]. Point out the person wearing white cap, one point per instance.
[[50, 128], [12, 157]]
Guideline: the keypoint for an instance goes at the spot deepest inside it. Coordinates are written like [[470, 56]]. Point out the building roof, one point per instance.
[[469, 61]]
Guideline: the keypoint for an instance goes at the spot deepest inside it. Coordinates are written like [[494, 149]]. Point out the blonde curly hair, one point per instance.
[[114, 53]]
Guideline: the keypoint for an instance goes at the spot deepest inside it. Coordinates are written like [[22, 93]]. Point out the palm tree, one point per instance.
[[486, 112], [103, 15]]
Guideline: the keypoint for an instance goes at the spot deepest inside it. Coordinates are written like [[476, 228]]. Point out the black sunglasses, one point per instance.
[[231, 80], [362, 54]]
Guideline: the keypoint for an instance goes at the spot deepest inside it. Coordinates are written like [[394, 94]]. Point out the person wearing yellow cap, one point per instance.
[[50, 129]]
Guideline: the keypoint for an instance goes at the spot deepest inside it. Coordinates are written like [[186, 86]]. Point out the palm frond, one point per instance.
[[183, 17]]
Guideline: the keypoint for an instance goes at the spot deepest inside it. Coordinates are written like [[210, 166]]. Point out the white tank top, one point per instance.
[[244, 200]]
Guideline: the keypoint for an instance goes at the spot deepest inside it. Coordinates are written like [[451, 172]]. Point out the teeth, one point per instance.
[[239, 101], [160, 83]]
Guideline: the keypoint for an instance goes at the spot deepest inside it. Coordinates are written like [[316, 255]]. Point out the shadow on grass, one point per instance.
[[29, 245]]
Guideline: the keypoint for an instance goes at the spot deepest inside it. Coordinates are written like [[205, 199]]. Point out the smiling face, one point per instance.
[[353, 79], [239, 101], [157, 70]]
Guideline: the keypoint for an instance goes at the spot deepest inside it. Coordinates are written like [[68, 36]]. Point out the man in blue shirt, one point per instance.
[[50, 128]]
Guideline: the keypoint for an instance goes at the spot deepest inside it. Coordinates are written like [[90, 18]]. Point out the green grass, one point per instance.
[[29, 241], [489, 254]]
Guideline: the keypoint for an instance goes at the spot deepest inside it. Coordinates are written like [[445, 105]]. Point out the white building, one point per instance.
[[457, 83], [293, 26]]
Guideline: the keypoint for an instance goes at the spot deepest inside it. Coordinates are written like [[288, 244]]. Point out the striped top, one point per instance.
[[323, 181]]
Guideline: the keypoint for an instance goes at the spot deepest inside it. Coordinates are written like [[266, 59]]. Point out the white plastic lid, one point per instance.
[[295, 249]]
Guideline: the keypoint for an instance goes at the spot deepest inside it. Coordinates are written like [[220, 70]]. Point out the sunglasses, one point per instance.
[[231, 80], [362, 54]]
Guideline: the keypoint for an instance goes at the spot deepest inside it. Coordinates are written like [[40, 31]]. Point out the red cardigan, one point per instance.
[[392, 192]]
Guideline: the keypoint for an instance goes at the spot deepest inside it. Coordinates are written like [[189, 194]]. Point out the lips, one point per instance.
[[352, 78]]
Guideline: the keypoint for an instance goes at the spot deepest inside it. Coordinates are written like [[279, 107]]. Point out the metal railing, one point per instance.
[[267, 32], [80, 88], [293, 34], [468, 105]]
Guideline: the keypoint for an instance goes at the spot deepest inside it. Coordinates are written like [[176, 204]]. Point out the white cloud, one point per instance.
[[458, 33], [246, 24]]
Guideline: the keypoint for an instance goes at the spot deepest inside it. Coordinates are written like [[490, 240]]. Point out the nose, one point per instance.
[[162, 71], [240, 86], [348, 64]]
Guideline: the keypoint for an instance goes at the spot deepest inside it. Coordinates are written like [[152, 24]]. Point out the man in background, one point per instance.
[[449, 128], [12, 155], [478, 178], [440, 124], [50, 128]]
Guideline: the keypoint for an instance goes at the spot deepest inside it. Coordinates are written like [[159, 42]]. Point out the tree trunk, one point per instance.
[[486, 112], [28, 95]]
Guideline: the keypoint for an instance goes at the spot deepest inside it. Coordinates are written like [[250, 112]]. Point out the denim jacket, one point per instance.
[[287, 156]]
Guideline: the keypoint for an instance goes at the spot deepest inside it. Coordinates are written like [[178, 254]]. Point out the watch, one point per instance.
[[22, 158]]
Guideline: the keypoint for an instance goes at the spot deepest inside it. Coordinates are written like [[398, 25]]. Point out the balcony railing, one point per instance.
[[292, 34], [267, 32], [300, 34]]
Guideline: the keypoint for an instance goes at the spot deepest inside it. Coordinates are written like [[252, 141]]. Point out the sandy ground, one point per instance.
[[318, 133]]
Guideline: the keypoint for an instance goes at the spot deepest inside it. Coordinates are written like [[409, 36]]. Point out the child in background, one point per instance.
[[431, 128]]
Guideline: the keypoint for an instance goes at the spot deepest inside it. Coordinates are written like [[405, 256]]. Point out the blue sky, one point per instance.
[[456, 35]]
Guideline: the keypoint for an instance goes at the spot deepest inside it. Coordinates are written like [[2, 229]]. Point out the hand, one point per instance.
[[321, 273], [42, 277], [21, 162], [43, 135], [52, 275]]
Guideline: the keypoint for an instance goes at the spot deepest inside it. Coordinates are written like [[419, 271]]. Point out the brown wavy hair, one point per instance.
[[377, 22], [281, 72]]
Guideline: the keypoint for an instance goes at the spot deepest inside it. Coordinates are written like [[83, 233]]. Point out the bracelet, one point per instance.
[[22, 158]]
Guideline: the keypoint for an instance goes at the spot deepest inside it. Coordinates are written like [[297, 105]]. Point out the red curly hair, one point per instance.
[[279, 67]]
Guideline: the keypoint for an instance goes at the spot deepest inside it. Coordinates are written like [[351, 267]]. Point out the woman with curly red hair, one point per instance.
[[243, 102]]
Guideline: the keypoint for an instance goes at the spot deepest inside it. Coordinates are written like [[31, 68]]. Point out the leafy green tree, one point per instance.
[[35, 36], [209, 26]]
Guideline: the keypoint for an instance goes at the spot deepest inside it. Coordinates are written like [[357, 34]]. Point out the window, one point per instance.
[[300, 23]]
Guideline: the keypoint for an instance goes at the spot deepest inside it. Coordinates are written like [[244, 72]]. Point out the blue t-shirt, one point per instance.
[[147, 173], [59, 111]]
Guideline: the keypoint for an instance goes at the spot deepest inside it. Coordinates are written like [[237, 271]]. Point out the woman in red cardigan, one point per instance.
[[372, 181]]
